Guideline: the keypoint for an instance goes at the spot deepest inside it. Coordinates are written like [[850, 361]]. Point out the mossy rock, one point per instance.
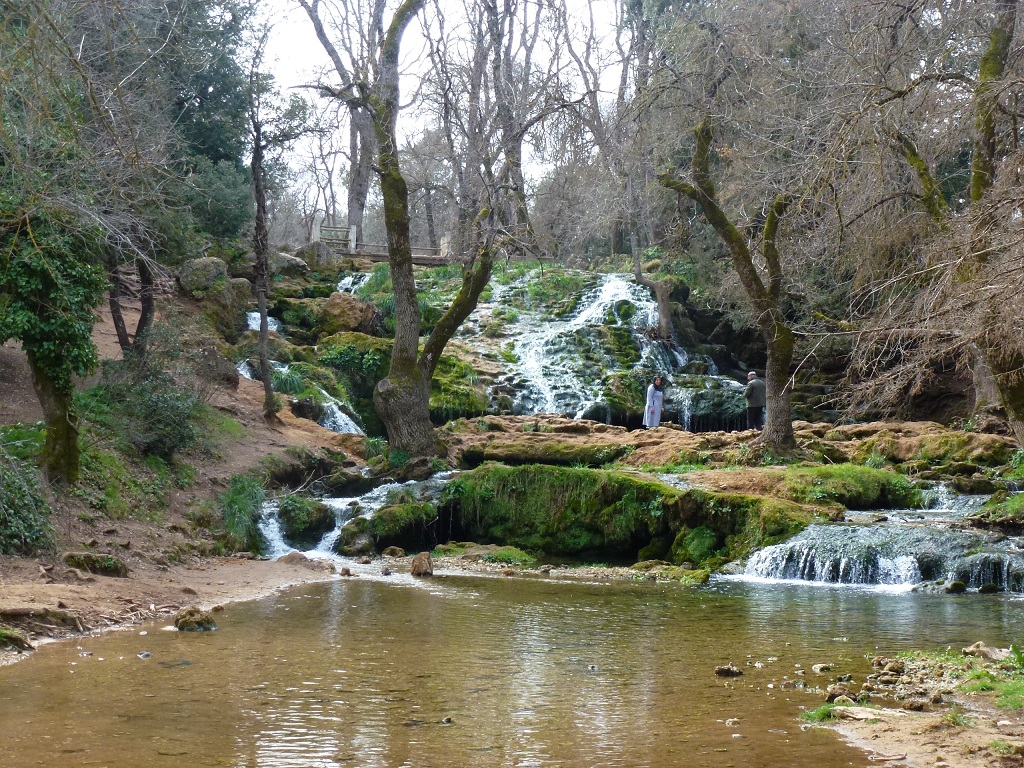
[[304, 519], [194, 619], [408, 525], [355, 538], [100, 564], [609, 514]]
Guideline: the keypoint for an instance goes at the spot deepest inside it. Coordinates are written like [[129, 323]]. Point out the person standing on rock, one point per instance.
[[755, 395], [655, 400]]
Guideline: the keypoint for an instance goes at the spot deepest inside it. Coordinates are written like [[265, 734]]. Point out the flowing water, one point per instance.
[[561, 365], [467, 672], [898, 549]]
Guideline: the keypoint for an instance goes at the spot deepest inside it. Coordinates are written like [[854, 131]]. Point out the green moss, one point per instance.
[[303, 518], [510, 556], [851, 485], [612, 514], [408, 524]]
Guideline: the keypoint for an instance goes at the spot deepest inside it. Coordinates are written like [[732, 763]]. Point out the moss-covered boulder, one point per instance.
[[194, 619], [342, 313], [580, 512], [409, 525], [304, 520], [200, 278]]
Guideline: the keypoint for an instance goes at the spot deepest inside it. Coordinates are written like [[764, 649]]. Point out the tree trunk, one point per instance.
[[261, 248], [662, 293], [778, 423], [402, 402], [361, 148], [114, 300], [148, 303], [60, 458]]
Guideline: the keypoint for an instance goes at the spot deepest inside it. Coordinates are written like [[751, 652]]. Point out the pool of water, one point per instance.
[[462, 671]]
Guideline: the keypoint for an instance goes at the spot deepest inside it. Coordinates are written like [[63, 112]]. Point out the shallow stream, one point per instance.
[[478, 671]]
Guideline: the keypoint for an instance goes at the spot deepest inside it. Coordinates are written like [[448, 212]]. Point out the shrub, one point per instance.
[[241, 505], [24, 520]]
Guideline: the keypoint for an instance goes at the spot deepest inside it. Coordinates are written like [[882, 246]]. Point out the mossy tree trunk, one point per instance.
[[662, 290], [765, 295], [61, 458]]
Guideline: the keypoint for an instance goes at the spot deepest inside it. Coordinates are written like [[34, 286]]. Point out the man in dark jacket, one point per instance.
[[755, 395]]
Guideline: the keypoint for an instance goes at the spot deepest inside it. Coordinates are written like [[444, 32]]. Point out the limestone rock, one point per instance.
[[393, 552], [194, 619], [728, 670], [342, 313], [287, 265], [318, 256], [422, 565], [983, 651], [202, 277]]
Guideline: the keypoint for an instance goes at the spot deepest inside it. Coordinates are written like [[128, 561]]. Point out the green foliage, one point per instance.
[[219, 195], [822, 714], [398, 458], [240, 507], [303, 517], [287, 380], [24, 516], [122, 487], [956, 717], [510, 556], [375, 446], [556, 290], [50, 284]]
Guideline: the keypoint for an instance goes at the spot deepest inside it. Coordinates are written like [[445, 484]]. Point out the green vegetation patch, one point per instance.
[[611, 514], [510, 556], [24, 516], [240, 507], [851, 485], [303, 518]]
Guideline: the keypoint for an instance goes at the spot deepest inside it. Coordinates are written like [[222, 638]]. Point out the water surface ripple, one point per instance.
[[467, 672]]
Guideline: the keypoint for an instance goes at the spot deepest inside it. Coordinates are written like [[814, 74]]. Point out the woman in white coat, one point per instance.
[[655, 400]]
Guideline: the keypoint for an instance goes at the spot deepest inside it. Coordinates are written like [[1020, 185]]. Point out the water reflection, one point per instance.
[[476, 672]]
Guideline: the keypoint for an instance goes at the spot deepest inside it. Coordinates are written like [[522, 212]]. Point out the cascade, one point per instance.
[[562, 366], [902, 549], [345, 508], [353, 282], [253, 320], [331, 415]]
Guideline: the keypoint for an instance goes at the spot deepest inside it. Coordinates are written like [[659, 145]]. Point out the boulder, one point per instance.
[[318, 256], [287, 265], [194, 619], [422, 565], [728, 670], [989, 652], [342, 313], [203, 277], [393, 552]]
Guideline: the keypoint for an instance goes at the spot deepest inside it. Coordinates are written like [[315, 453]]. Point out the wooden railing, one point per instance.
[[338, 239]]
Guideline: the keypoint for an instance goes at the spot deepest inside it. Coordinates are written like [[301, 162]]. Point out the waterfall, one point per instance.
[[345, 508], [253, 320], [334, 418], [904, 549], [551, 375], [353, 282], [331, 416]]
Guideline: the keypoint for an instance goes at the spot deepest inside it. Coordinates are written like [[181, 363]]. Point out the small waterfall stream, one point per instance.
[[253, 321], [332, 416], [898, 550]]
